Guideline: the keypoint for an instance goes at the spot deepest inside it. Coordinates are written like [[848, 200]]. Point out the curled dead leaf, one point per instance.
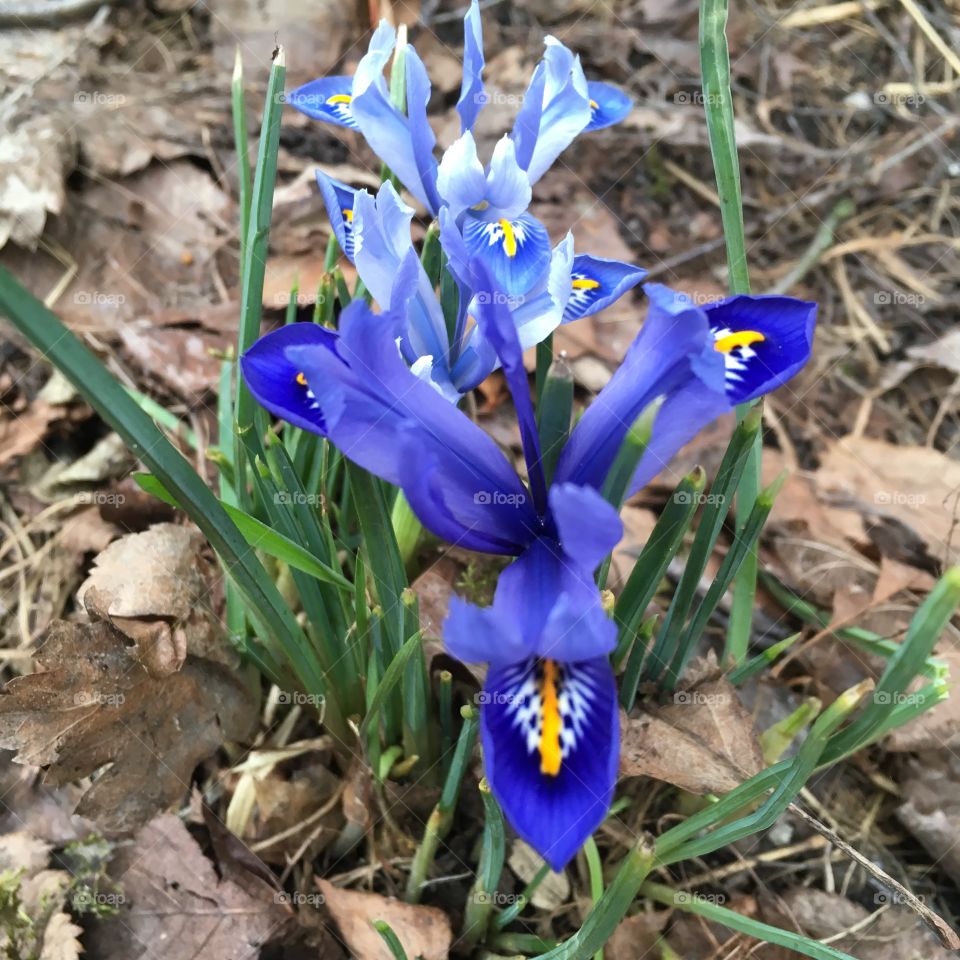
[[92, 704], [702, 742], [423, 931]]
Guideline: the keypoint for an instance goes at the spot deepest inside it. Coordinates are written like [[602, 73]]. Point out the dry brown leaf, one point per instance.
[[37, 156], [40, 896], [176, 907], [897, 934], [931, 807], [21, 432], [702, 742], [153, 587], [636, 937], [526, 863], [92, 704], [915, 488], [423, 931]]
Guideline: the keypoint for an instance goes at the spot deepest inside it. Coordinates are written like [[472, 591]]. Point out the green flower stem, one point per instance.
[[441, 818]]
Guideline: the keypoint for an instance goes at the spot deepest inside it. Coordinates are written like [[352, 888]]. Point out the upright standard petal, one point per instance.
[[495, 320], [550, 733], [277, 383], [764, 341], [328, 99], [472, 96], [556, 108], [553, 600], [588, 526], [517, 251], [382, 244], [596, 282], [673, 348], [461, 180], [339, 200], [608, 105], [387, 130]]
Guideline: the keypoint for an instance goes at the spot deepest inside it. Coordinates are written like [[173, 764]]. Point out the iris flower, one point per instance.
[[485, 207], [549, 720], [374, 232]]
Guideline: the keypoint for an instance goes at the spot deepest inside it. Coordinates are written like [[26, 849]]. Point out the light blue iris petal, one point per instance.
[[549, 120], [517, 251], [339, 201], [542, 310], [323, 99], [508, 188], [526, 126], [472, 97], [608, 105], [388, 131], [382, 246], [461, 181], [613, 278], [422, 135]]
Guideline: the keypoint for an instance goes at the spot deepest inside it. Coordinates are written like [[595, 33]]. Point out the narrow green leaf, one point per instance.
[[145, 441], [704, 907], [391, 677], [259, 536]]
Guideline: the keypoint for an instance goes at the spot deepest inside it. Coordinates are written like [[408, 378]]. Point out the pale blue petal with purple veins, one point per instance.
[[556, 108], [389, 132], [517, 251]]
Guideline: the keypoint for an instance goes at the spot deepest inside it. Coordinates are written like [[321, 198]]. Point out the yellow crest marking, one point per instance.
[[594, 105], [339, 98], [347, 215], [742, 338], [301, 379], [585, 283], [509, 238], [551, 723]]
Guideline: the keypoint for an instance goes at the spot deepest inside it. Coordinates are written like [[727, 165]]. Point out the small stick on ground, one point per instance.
[[945, 933]]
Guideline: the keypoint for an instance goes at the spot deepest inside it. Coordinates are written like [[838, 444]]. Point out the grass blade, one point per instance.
[[145, 440], [718, 105]]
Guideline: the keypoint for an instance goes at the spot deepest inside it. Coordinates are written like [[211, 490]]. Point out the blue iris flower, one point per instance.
[[549, 716], [374, 232], [488, 204]]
